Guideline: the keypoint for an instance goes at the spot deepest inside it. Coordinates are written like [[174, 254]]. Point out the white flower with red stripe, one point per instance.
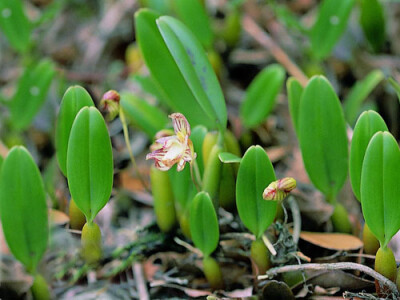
[[173, 149]]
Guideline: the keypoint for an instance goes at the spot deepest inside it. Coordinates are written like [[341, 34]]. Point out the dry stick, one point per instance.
[[140, 281], [265, 40], [334, 266]]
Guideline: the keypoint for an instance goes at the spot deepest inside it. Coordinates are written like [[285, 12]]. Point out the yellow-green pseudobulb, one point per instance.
[[260, 256], [91, 243], [213, 273], [40, 290], [76, 218], [385, 264], [163, 199], [340, 219], [371, 244]]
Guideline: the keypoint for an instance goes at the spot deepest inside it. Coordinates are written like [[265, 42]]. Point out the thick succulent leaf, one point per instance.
[[204, 224], [322, 135], [23, 208], [294, 92], [229, 158], [261, 95], [166, 73], [380, 187], [89, 162], [255, 174], [196, 69], [75, 98], [372, 20], [330, 24], [150, 119], [14, 24], [360, 91], [192, 13], [31, 93], [367, 125]]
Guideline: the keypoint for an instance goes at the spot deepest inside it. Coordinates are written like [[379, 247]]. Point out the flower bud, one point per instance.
[[110, 103], [279, 189]]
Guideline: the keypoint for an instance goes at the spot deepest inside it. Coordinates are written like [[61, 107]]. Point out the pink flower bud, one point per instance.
[[279, 189]]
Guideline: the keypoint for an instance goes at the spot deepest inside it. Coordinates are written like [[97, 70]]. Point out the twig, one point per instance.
[[334, 266], [128, 145], [188, 246], [296, 218], [265, 40], [140, 281]]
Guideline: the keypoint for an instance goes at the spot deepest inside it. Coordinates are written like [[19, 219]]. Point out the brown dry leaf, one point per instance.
[[129, 182], [57, 218], [247, 292], [332, 241], [150, 269], [297, 169], [276, 153]]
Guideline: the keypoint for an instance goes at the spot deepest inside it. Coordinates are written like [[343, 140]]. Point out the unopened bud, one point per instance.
[[110, 103], [279, 189]]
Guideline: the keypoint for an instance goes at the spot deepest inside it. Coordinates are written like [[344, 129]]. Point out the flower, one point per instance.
[[173, 149], [279, 189]]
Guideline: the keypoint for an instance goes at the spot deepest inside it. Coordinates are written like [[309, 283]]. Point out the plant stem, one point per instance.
[[128, 145], [195, 174], [333, 266]]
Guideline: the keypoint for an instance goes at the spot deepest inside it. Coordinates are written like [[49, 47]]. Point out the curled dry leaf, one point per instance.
[[332, 241]]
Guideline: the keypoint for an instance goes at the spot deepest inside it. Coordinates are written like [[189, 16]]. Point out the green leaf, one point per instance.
[[322, 136], [192, 13], [204, 224], [395, 85], [360, 91], [183, 188], [330, 24], [75, 98], [149, 86], [261, 95], [229, 158], [161, 6], [89, 162], [23, 208], [195, 68], [197, 137], [14, 24], [255, 174], [380, 187], [139, 112], [32, 89], [367, 125], [372, 20], [294, 92], [167, 74]]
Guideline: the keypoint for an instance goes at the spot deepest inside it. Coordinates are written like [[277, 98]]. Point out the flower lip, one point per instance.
[[170, 149]]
